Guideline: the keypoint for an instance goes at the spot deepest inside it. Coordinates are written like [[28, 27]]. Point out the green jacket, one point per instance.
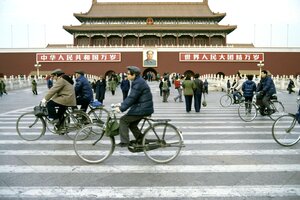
[[188, 87]]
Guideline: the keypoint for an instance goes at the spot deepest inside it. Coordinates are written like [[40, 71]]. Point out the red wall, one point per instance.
[[278, 63]]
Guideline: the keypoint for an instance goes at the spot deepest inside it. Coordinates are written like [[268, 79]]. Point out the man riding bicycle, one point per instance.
[[266, 88], [61, 95], [83, 91], [140, 104]]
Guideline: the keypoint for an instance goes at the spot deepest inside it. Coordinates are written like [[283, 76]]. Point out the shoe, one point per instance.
[[271, 111], [122, 144], [175, 99], [54, 121]]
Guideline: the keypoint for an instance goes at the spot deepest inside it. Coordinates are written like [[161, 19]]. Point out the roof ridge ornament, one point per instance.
[[94, 1]]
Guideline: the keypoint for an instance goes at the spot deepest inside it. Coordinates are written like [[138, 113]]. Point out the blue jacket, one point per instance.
[[248, 88], [139, 100], [83, 88], [267, 86]]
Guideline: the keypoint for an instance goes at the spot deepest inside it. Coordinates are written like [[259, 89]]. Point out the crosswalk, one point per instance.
[[223, 158]]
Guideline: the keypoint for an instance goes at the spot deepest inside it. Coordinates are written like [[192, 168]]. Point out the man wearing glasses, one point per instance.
[[140, 104]]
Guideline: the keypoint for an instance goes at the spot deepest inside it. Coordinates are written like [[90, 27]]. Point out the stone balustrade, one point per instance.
[[216, 82]]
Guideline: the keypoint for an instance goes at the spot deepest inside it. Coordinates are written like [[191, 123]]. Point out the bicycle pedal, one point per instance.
[[135, 149]]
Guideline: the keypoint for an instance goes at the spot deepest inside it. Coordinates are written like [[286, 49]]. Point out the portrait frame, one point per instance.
[[150, 60]]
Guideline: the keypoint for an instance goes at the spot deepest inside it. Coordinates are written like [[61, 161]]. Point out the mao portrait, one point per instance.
[[150, 58]]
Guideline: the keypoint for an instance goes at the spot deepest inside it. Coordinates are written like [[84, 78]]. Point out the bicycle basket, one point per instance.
[[112, 127], [40, 111]]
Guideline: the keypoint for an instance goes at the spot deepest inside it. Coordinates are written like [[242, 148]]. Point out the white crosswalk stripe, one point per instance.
[[223, 157]]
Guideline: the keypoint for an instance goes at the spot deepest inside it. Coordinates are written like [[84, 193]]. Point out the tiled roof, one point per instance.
[[149, 9], [155, 27]]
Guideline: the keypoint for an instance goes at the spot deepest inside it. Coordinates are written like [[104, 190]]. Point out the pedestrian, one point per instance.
[[1, 88], [165, 89], [160, 87], [290, 87], [228, 86], [205, 85], [140, 104], [49, 82], [100, 89], [178, 86], [188, 90], [34, 87], [125, 86], [198, 92], [113, 84], [83, 90]]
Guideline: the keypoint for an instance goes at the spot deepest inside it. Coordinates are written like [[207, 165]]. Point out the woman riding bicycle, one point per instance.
[[140, 103]]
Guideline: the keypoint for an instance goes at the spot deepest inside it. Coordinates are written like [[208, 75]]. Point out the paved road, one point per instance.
[[224, 158]]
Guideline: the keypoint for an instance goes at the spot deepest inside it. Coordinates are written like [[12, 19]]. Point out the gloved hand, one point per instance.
[[43, 102], [117, 109]]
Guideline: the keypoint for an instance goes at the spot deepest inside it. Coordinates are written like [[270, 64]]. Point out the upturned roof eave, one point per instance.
[[89, 28]]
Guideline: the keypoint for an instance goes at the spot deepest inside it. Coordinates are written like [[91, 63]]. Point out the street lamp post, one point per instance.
[[260, 65], [37, 65]]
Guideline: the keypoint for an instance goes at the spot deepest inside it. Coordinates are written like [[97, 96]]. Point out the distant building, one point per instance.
[[150, 24]]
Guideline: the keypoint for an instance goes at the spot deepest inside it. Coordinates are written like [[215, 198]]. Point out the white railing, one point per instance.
[[215, 82]]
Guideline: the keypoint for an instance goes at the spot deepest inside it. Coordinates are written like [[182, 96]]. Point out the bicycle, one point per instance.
[[31, 127], [227, 100], [161, 141], [97, 113], [247, 111], [286, 129]]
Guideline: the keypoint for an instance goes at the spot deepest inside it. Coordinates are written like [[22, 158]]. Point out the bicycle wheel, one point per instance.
[[279, 109], [162, 142], [286, 130], [75, 121], [30, 127], [247, 111], [226, 100], [91, 147], [99, 115]]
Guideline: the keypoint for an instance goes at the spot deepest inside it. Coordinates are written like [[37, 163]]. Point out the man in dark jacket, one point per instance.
[[83, 91], [140, 104], [266, 89]]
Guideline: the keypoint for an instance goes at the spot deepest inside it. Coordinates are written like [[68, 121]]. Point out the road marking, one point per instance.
[[152, 192], [214, 141], [185, 133], [127, 153], [146, 169]]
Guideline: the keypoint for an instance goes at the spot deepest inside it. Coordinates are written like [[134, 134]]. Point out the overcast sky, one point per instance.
[[36, 23]]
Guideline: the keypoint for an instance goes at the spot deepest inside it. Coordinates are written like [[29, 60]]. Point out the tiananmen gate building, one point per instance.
[[183, 37]]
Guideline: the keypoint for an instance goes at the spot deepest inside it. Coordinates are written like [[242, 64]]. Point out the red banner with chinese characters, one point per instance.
[[220, 57], [78, 57]]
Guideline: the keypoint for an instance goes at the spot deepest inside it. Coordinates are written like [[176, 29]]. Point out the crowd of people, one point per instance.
[[137, 97]]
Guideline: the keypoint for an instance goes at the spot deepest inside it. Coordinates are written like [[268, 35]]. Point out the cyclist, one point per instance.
[[248, 88], [83, 90], [61, 95], [140, 104], [237, 89], [266, 89]]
